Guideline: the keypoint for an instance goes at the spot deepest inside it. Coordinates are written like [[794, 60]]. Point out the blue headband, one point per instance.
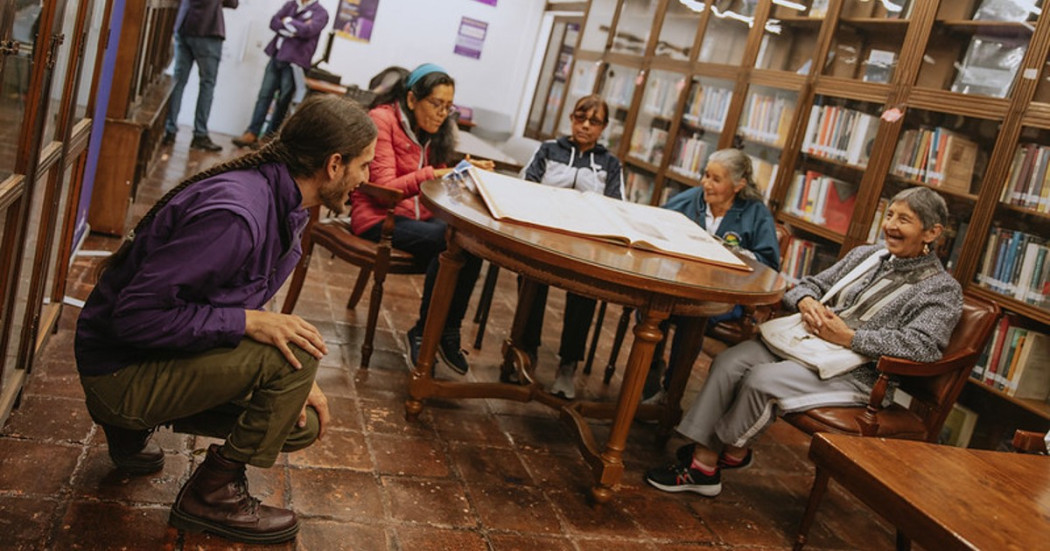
[[422, 71]]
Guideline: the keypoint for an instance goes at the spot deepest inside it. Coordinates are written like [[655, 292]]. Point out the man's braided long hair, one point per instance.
[[319, 128]]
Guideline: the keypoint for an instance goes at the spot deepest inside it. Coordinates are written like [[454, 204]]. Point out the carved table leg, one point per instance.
[[646, 335], [450, 263]]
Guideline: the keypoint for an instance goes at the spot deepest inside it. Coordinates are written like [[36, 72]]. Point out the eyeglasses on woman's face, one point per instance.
[[580, 118], [446, 109]]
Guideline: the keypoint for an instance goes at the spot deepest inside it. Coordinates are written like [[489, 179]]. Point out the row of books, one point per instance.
[[661, 95], [822, 200], [840, 134], [804, 257], [764, 173], [1029, 182], [1015, 263], [767, 119], [647, 144], [690, 156], [1016, 361], [936, 156], [708, 107]]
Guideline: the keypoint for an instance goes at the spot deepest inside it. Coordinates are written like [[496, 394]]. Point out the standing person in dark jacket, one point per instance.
[[727, 204], [298, 25], [175, 332], [199, 33], [577, 162]]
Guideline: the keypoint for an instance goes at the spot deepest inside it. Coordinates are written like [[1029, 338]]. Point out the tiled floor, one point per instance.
[[482, 474]]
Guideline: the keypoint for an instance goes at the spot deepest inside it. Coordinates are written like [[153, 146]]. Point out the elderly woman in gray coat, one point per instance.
[[894, 300]]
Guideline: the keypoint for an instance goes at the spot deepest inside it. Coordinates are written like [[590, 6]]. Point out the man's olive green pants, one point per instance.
[[249, 395]]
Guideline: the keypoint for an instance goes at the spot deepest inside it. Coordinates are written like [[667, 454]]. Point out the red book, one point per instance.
[[838, 206]]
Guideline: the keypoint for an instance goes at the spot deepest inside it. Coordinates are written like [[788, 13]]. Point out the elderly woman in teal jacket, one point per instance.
[[728, 204]]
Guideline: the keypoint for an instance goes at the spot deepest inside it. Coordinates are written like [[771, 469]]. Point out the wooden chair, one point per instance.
[[933, 388], [376, 259]]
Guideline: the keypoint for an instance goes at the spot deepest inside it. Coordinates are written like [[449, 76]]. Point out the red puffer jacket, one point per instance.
[[396, 165]]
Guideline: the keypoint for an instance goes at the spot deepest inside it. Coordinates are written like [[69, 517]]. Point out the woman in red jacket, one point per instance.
[[415, 144]]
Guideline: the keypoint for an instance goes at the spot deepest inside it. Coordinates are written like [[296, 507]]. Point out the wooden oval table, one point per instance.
[[657, 285]]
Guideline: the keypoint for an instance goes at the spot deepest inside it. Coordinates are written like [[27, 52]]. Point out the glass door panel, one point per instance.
[[678, 32], [867, 41], [789, 39], [650, 135], [618, 91], [15, 73], [599, 23], [63, 52], [634, 26], [93, 28], [726, 36]]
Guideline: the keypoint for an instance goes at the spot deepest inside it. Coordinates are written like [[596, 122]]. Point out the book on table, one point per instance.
[[596, 216]]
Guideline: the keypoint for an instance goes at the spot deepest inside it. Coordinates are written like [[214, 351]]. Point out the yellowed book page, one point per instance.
[[667, 231], [559, 209]]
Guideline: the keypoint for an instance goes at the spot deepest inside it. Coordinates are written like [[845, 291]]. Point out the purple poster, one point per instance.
[[354, 19], [470, 38], [489, 2]]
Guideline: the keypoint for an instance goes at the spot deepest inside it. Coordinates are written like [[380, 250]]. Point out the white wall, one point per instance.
[[406, 33]]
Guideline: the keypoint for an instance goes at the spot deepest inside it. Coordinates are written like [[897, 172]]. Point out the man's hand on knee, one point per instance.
[[280, 330]]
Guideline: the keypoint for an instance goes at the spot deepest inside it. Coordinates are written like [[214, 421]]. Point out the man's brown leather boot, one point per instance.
[[215, 499], [132, 451]]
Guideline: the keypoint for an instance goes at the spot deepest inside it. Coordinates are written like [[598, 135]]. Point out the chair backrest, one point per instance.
[[783, 239], [933, 397]]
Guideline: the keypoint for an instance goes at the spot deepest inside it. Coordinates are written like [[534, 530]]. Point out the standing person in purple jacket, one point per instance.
[[298, 25], [199, 33], [176, 332]]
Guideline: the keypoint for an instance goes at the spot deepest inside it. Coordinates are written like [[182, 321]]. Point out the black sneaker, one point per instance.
[[451, 353], [204, 143], [685, 454], [681, 477], [168, 139], [414, 338]]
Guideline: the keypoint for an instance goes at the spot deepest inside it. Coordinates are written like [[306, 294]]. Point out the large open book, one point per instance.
[[594, 215]]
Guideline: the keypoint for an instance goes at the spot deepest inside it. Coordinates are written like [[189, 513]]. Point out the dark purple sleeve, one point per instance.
[[165, 304]]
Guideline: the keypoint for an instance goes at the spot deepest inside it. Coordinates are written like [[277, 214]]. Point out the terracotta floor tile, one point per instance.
[[434, 502], [25, 522], [482, 429], [529, 542], [337, 494], [34, 468], [338, 449], [608, 519], [515, 508], [100, 525], [98, 479], [478, 465], [325, 535], [409, 456], [420, 538], [49, 419]]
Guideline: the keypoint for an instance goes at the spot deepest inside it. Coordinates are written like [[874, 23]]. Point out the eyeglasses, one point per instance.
[[440, 107], [580, 118]]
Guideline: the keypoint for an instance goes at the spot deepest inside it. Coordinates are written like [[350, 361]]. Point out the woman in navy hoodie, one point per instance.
[[579, 162]]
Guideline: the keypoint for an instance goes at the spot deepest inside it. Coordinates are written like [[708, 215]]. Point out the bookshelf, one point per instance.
[[841, 104]]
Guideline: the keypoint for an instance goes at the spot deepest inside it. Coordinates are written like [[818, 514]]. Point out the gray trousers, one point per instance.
[[249, 395], [748, 387]]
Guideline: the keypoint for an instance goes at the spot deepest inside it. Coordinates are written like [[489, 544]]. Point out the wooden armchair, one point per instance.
[[372, 258], [933, 388]]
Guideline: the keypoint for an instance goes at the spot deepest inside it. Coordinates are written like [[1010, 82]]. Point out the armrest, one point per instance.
[[950, 362], [1029, 441], [385, 196]]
